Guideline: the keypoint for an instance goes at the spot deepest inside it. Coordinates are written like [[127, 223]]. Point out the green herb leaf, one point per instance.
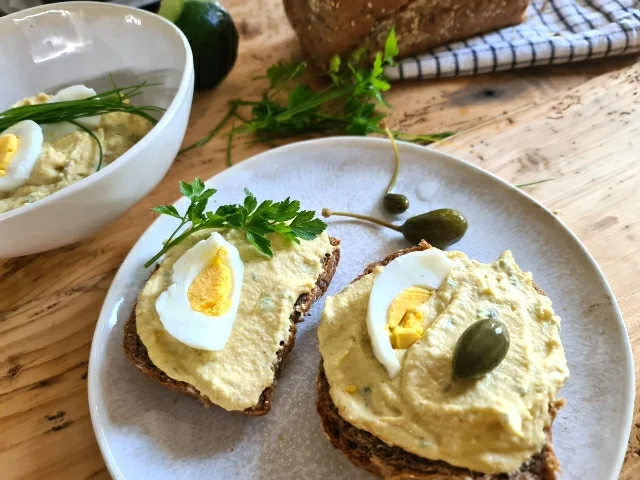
[[167, 210], [186, 189], [300, 94], [377, 70], [284, 211], [250, 202], [391, 48], [260, 242], [282, 72], [357, 55], [256, 220], [334, 64], [334, 69], [227, 210], [308, 229]]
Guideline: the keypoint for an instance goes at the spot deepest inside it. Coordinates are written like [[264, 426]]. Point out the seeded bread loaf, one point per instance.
[[137, 353], [329, 27]]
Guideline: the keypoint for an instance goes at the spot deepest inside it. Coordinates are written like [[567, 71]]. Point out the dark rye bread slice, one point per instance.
[[135, 350], [377, 457]]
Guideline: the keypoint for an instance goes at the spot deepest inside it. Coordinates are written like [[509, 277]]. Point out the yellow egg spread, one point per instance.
[[75, 156], [490, 425], [210, 292], [235, 376]]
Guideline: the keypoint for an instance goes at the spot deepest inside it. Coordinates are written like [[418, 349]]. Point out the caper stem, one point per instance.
[[392, 182], [330, 213]]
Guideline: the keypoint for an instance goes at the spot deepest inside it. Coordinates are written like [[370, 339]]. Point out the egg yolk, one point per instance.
[[8, 148], [210, 291], [404, 321]]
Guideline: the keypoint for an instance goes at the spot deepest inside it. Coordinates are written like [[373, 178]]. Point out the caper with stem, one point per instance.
[[394, 202], [441, 228]]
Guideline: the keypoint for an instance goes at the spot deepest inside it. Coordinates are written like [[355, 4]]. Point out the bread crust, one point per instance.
[[137, 353], [389, 462], [327, 28]]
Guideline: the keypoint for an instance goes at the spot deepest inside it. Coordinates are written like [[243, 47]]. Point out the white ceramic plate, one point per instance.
[[147, 431]]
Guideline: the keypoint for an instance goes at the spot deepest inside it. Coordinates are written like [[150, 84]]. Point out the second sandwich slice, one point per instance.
[[437, 366]]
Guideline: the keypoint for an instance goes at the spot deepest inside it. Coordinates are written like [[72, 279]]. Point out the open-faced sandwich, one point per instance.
[[219, 314], [436, 366]]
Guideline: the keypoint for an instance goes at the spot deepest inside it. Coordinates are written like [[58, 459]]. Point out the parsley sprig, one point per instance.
[[255, 220], [291, 108]]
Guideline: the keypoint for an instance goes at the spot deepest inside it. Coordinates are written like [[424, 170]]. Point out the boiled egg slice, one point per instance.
[[403, 285], [55, 131], [20, 147], [200, 306]]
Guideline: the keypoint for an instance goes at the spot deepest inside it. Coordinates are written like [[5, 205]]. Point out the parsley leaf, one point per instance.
[[167, 210], [250, 202], [306, 227], [255, 220], [347, 105], [282, 72], [390, 48]]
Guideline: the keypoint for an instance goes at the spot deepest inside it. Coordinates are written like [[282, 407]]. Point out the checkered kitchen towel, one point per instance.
[[555, 31]]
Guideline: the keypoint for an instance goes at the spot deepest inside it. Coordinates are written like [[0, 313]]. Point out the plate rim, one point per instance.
[[360, 143]]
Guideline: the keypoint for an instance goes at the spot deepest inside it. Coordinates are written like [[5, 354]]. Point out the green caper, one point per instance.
[[480, 349], [395, 202], [441, 228]]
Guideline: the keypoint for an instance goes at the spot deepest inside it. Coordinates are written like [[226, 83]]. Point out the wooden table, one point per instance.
[[579, 125]]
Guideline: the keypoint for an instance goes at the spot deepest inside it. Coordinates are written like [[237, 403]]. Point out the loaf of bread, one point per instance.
[[329, 27]]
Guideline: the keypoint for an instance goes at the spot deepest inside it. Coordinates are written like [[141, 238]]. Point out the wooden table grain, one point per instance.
[[578, 124]]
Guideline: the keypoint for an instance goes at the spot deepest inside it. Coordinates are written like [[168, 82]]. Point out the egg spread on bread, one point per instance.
[[388, 341], [36, 161], [216, 311]]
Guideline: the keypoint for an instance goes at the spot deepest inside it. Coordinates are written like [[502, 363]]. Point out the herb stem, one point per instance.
[[317, 100], [97, 140], [243, 103], [99, 104], [229, 147], [182, 224], [394, 178], [330, 213], [231, 112], [522, 185]]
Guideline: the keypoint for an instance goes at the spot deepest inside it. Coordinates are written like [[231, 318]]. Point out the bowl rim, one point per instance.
[[120, 162]]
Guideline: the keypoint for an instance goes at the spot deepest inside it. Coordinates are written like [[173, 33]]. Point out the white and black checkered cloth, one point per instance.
[[555, 31]]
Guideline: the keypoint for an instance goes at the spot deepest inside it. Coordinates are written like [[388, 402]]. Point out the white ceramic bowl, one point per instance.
[[56, 45]]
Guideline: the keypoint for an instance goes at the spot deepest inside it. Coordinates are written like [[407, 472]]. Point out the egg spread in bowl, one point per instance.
[[389, 342], [36, 161], [217, 310]]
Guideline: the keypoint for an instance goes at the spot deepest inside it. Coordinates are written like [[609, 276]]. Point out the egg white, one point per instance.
[[426, 269], [55, 131], [193, 328], [30, 140]]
